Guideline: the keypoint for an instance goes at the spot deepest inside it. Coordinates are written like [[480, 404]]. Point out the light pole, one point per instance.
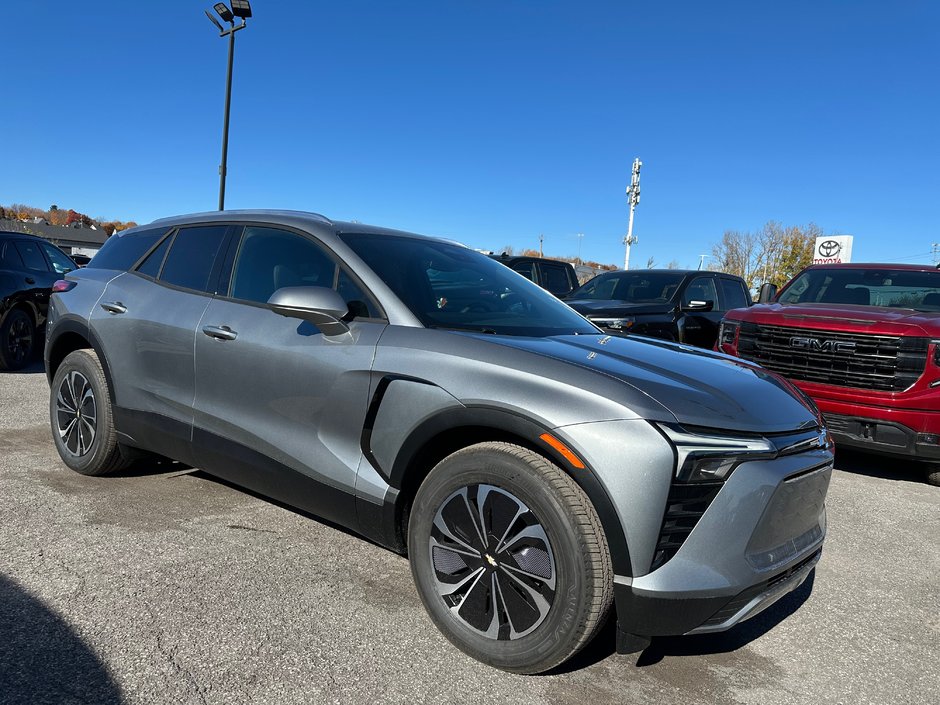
[[633, 194], [580, 238], [242, 10], [701, 260]]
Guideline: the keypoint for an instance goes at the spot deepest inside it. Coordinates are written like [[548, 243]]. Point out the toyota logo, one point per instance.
[[829, 248]]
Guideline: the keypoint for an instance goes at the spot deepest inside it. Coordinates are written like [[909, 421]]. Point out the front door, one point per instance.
[[280, 406]]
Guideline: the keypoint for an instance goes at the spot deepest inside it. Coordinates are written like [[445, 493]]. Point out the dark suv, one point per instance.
[[28, 267], [534, 469], [684, 306], [553, 275]]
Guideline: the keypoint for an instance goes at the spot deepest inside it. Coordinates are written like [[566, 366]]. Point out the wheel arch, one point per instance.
[[453, 429], [70, 335]]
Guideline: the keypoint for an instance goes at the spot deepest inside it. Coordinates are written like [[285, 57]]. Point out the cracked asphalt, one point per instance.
[[164, 587]]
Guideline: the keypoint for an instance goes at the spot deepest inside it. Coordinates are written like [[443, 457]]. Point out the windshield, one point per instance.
[[449, 286], [866, 287], [637, 287]]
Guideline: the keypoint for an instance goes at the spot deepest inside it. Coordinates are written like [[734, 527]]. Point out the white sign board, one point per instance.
[[832, 249]]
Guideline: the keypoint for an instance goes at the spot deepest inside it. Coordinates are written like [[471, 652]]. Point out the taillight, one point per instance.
[[63, 285]]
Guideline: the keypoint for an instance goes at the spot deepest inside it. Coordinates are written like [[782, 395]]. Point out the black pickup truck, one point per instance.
[[684, 306], [555, 276]]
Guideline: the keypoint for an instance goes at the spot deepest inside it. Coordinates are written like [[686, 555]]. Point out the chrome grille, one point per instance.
[[878, 362]]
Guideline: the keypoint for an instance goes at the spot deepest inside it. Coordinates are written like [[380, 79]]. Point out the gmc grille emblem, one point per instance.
[[816, 345]]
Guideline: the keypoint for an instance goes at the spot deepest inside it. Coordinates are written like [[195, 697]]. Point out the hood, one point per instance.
[[844, 317], [698, 387], [612, 308]]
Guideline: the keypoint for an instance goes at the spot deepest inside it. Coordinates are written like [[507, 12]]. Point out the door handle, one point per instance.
[[30, 280], [114, 307], [220, 332]]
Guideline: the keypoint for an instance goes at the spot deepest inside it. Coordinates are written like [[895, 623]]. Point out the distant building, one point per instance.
[[80, 240]]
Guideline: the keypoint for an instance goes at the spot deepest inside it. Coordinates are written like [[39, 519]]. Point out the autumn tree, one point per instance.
[[772, 254]]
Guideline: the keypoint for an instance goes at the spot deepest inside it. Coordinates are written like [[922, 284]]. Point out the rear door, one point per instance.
[[279, 406], [146, 321]]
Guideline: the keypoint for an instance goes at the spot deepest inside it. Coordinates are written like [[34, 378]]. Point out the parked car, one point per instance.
[[81, 260], [28, 267], [863, 340], [415, 391], [553, 275], [684, 306]]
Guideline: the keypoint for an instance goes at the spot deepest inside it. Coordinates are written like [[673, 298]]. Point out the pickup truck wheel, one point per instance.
[[509, 557], [933, 475], [81, 417]]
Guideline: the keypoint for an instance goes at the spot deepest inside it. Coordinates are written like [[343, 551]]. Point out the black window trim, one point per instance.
[[45, 257], [225, 275], [172, 233]]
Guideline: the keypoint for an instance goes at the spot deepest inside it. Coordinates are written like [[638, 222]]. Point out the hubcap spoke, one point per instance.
[[76, 413], [498, 577]]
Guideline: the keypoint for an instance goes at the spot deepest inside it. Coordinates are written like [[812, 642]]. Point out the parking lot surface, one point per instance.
[[162, 585]]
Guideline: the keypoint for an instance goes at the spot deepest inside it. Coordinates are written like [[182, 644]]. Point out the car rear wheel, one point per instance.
[[17, 340], [509, 557], [933, 475], [81, 416]]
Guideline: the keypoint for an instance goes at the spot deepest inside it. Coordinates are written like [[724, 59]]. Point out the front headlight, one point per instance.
[[621, 323], [712, 458], [728, 333]]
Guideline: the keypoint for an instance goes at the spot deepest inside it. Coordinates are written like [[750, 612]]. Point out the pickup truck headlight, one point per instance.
[[712, 458], [728, 333], [620, 323]]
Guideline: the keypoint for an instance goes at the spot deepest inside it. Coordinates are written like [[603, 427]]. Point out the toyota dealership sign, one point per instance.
[[832, 249]]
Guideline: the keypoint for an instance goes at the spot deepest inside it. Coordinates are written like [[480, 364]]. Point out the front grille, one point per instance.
[[685, 506], [878, 362]]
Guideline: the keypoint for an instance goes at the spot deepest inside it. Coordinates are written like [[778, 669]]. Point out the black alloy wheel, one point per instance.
[[17, 340]]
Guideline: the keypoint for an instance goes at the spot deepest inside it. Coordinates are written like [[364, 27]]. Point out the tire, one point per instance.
[[87, 447], [535, 517], [17, 340], [933, 475]]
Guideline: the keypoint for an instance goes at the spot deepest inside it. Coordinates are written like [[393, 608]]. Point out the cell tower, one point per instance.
[[633, 196]]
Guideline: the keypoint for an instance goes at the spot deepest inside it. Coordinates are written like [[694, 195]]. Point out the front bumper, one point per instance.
[[757, 541], [885, 437]]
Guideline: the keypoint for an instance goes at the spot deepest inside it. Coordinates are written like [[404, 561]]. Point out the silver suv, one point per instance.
[[535, 470]]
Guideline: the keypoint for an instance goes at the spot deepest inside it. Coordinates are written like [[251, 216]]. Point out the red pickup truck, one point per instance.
[[863, 341]]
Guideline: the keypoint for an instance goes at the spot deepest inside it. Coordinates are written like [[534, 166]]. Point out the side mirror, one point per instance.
[[322, 307], [696, 305], [768, 292]]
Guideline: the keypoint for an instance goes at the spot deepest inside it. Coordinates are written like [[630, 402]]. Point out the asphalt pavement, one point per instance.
[[162, 585]]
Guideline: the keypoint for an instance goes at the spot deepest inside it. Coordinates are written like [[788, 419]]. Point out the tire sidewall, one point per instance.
[[87, 365], [552, 640]]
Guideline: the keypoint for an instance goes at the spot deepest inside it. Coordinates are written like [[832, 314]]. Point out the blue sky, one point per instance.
[[491, 121]]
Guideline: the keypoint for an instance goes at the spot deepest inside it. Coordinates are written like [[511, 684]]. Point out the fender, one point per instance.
[[500, 422], [78, 326]]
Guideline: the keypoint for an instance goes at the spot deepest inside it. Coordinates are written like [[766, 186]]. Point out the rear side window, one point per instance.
[[9, 257], [60, 261], [734, 294], [122, 251], [151, 265], [526, 269], [192, 256], [32, 256], [555, 278]]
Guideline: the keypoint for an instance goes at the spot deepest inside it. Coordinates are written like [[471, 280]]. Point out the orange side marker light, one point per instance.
[[564, 450]]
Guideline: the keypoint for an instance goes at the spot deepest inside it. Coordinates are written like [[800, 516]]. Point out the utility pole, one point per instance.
[[633, 195], [541, 237], [936, 252], [701, 260], [580, 238]]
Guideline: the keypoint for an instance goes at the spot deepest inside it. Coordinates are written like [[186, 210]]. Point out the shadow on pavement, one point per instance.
[[882, 466], [35, 367], [604, 645], [42, 660]]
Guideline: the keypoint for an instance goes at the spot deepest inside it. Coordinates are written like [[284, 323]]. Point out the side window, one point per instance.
[[60, 262], [192, 255], [121, 251], [555, 278], [9, 257], [32, 256], [701, 289], [151, 266], [734, 294], [526, 269], [270, 259]]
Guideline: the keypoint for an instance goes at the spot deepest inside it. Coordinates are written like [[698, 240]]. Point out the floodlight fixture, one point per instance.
[[214, 21], [241, 8], [222, 10]]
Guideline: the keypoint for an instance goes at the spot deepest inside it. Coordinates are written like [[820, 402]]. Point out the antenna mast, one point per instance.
[[633, 196]]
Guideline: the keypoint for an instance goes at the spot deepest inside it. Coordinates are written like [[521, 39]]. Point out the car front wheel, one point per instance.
[[509, 557]]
